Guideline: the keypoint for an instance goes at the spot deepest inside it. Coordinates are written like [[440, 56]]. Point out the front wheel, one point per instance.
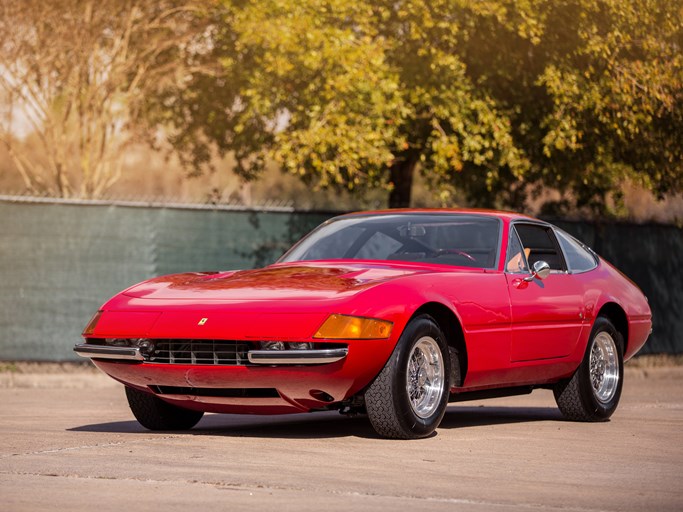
[[408, 398], [155, 414], [593, 392]]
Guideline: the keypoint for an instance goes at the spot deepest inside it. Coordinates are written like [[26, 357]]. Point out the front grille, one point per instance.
[[209, 352]]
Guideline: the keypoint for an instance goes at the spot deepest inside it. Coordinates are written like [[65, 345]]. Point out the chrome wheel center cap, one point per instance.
[[421, 377]]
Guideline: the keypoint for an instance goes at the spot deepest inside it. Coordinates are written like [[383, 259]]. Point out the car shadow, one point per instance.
[[331, 424], [483, 415], [292, 426]]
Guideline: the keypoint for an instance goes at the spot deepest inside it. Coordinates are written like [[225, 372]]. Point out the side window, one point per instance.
[[516, 258], [540, 243], [579, 259]]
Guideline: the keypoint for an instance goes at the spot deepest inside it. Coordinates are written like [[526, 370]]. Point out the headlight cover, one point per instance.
[[345, 327]]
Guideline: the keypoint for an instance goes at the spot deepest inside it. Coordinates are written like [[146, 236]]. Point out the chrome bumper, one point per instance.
[[324, 356], [297, 356], [104, 352]]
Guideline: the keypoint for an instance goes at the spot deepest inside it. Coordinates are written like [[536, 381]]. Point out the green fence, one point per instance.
[[60, 261]]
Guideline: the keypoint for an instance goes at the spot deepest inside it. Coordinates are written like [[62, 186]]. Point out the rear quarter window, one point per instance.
[[578, 257]]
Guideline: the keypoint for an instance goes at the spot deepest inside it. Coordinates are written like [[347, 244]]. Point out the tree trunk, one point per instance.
[[401, 175]]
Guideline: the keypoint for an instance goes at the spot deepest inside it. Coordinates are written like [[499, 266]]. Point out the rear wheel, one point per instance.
[[155, 414], [408, 398], [593, 392]]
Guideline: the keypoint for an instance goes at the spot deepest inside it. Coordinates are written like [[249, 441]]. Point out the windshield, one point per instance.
[[449, 239]]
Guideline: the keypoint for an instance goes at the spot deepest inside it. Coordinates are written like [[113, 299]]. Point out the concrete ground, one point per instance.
[[69, 442]]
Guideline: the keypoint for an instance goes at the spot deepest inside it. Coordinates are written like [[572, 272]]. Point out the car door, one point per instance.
[[546, 315]]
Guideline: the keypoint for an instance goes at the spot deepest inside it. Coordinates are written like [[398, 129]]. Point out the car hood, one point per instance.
[[291, 281]]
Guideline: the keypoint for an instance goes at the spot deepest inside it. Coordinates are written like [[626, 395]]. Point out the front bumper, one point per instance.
[[102, 352], [324, 356], [268, 382], [267, 357]]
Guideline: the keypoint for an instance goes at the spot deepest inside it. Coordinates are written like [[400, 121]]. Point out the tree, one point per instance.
[[79, 73], [493, 99], [344, 94], [596, 87]]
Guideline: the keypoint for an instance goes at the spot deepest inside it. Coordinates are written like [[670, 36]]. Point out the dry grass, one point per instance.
[[154, 174], [655, 361], [39, 367]]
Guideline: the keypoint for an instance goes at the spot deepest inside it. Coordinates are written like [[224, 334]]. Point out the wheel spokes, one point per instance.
[[604, 367], [424, 380]]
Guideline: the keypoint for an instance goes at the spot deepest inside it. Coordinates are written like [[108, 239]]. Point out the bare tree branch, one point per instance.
[[79, 74]]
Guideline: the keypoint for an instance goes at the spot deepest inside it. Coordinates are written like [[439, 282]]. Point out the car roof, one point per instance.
[[466, 211]]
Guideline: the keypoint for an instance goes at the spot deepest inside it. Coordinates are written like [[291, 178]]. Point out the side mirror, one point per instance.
[[541, 271]]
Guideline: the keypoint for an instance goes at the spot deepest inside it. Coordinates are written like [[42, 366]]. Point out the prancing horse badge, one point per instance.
[[202, 321]]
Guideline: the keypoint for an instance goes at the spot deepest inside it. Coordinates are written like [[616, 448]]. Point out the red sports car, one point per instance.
[[392, 313]]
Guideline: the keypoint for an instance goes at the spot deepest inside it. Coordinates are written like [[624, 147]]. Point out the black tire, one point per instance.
[[387, 400], [586, 397], [155, 414]]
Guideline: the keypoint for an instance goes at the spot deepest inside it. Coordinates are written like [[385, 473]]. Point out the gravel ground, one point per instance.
[[69, 442]]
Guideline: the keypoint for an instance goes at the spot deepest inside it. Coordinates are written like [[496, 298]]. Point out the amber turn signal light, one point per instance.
[[354, 328], [90, 328]]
